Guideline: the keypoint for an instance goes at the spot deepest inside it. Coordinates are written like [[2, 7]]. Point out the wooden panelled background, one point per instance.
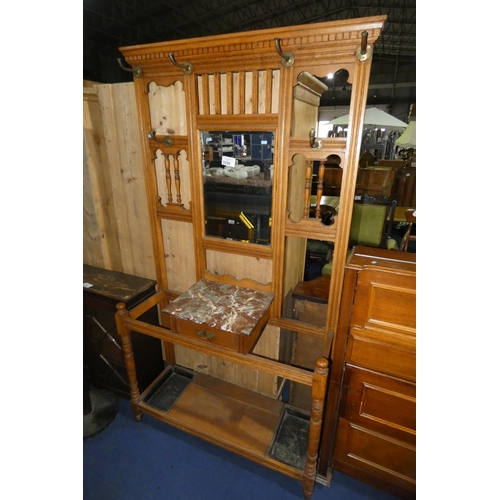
[[116, 233]]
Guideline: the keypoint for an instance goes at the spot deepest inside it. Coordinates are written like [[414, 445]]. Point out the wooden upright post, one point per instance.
[[320, 378]]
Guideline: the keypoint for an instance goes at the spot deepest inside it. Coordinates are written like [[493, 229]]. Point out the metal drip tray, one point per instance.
[[290, 443], [169, 389]]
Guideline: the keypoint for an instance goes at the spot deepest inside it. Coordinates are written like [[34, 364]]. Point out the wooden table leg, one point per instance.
[[128, 355]]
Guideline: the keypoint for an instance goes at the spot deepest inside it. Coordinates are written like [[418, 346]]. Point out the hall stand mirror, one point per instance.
[[228, 135]]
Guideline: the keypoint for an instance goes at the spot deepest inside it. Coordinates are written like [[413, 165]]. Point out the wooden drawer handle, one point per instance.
[[205, 335]]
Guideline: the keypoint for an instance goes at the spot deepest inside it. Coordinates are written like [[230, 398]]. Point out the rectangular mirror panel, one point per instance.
[[237, 184]]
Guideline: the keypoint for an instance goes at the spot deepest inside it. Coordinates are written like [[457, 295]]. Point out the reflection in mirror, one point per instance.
[[305, 286], [237, 184], [335, 103], [305, 292]]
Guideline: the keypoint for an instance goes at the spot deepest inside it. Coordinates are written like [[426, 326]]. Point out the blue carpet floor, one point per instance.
[[150, 460]]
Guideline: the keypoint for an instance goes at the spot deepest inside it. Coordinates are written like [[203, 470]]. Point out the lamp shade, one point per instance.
[[374, 117], [408, 138]]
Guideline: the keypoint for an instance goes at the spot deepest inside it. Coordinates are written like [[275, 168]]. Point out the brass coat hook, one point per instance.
[[187, 67], [315, 143], [136, 70], [167, 140], [287, 58], [365, 50]]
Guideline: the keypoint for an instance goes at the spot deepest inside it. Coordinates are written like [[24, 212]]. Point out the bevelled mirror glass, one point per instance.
[[237, 184]]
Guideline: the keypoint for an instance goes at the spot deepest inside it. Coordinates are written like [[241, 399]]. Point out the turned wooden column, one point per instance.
[[320, 378], [128, 354]]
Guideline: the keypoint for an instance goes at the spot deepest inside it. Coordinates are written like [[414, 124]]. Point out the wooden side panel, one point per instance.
[[92, 241], [123, 148], [101, 246], [116, 234]]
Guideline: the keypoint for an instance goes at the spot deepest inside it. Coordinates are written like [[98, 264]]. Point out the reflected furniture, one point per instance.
[[371, 225], [400, 213], [376, 181], [389, 178], [411, 218], [371, 180], [265, 81]]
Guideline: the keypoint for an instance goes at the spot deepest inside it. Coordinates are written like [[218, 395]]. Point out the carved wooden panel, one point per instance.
[[167, 108], [172, 179]]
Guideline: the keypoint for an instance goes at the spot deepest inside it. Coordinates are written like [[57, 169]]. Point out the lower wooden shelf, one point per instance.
[[262, 429], [237, 419]]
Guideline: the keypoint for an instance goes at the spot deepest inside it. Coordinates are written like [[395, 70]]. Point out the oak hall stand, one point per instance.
[[193, 92]]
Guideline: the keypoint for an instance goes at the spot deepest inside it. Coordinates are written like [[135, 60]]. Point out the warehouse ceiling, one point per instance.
[[110, 24]]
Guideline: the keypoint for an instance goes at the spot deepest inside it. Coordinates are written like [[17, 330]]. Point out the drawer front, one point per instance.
[[385, 301], [376, 454], [205, 333], [228, 340], [380, 403], [385, 352]]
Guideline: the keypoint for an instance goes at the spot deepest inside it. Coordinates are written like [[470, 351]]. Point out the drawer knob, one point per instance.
[[205, 335]]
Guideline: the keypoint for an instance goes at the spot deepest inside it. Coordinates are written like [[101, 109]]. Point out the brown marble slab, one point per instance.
[[226, 307]]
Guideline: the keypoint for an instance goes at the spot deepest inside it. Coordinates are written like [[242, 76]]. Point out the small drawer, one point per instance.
[[236, 342], [380, 403], [385, 352], [376, 454], [225, 315]]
